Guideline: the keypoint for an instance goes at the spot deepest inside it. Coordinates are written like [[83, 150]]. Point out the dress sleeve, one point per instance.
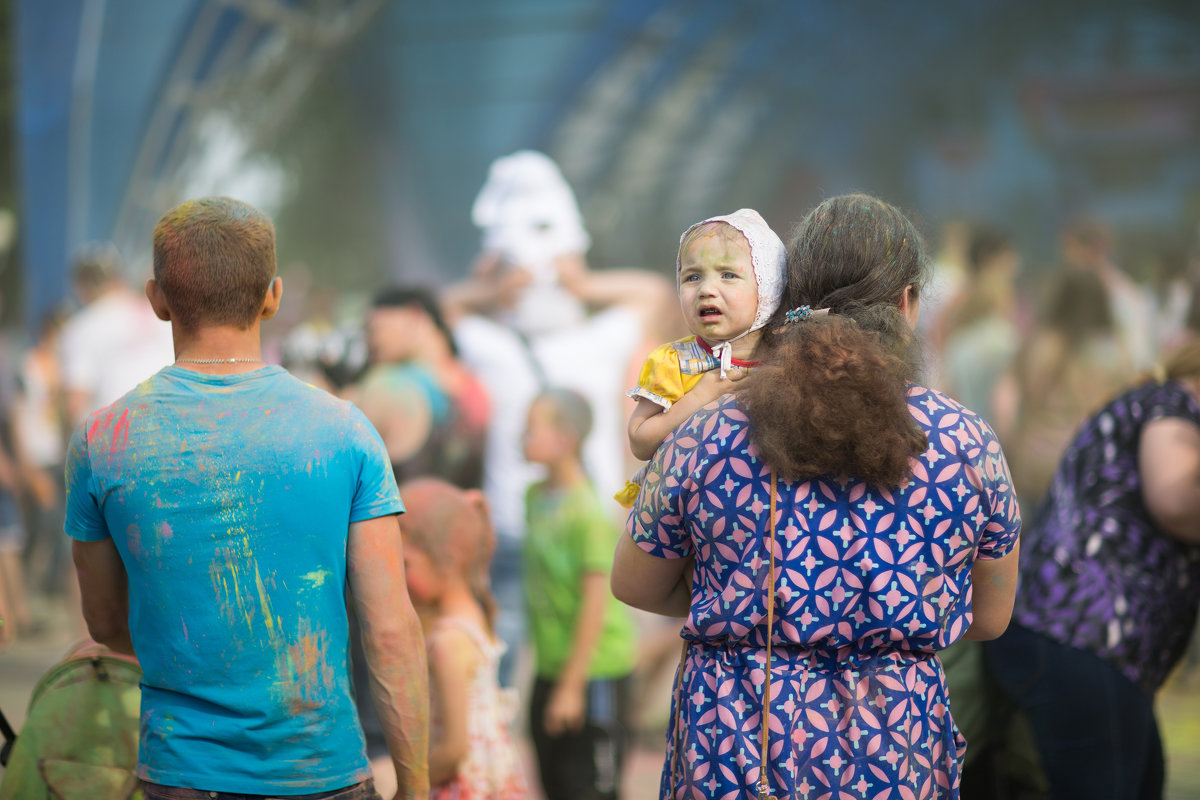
[[1003, 525], [660, 381], [1172, 400], [657, 521]]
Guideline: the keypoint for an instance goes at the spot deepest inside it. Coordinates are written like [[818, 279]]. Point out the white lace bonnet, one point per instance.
[[769, 257]]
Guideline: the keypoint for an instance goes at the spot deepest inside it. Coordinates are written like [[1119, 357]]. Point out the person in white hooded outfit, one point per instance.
[[522, 323]]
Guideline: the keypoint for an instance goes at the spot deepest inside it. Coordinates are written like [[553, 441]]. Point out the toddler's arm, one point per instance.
[[649, 424]]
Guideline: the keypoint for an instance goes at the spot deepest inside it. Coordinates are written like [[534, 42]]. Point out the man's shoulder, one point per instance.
[[283, 393], [313, 400]]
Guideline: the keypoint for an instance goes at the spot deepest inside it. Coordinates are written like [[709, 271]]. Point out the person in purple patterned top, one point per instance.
[[894, 534], [1110, 586]]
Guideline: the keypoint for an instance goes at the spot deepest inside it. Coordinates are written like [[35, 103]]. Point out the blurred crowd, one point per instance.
[[447, 374]]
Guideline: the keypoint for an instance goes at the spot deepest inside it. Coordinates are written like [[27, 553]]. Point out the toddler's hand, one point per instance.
[[711, 385]]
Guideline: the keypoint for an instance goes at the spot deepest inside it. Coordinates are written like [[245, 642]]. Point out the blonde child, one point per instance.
[[448, 544], [584, 640], [729, 273]]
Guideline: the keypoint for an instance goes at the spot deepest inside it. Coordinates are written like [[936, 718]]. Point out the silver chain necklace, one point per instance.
[[218, 361]]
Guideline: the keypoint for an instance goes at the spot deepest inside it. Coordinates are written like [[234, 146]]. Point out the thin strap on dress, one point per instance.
[[764, 781], [485, 643]]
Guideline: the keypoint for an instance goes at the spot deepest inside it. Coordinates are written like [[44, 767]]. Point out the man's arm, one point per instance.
[[394, 648], [646, 293], [104, 592], [491, 286]]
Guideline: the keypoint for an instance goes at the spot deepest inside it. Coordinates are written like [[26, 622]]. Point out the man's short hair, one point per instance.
[[214, 259]]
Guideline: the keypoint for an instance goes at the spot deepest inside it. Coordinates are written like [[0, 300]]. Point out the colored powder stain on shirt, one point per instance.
[[133, 539], [264, 601], [227, 584], [120, 436], [317, 577], [304, 671]]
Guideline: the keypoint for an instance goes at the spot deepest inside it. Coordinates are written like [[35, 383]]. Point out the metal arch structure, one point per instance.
[[113, 97], [251, 59]]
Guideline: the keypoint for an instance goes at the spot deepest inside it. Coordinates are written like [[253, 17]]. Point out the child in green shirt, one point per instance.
[[583, 637]]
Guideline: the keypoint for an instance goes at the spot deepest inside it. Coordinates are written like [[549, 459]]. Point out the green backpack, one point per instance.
[[80, 738]]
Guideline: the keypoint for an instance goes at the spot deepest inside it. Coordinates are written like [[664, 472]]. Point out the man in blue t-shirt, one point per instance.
[[220, 511]]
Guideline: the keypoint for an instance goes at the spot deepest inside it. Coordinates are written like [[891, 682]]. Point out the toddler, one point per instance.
[[729, 274], [448, 545]]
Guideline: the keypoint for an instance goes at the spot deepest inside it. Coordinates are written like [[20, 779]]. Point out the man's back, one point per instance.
[[228, 498]]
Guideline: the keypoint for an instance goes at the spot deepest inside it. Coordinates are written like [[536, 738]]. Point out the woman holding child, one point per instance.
[[834, 522]]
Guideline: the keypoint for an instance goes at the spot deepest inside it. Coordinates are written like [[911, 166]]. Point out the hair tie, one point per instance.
[[802, 313]]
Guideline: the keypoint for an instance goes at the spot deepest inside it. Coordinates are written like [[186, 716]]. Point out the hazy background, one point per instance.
[[366, 126]]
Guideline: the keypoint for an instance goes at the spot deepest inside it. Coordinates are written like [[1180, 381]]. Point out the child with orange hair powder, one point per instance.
[[448, 545]]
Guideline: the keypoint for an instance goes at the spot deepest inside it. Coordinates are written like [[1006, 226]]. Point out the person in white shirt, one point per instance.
[[114, 342]]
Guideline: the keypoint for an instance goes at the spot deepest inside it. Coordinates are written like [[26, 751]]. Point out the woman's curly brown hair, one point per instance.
[[832, 401], [831, 395]]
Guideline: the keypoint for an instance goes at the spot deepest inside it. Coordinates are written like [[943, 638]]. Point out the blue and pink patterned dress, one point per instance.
[[870, 584]]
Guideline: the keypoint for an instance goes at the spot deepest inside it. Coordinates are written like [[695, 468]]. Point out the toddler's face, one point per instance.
[[718, 291]]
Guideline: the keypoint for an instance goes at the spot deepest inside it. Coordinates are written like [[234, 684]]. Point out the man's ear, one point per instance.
[[274, 295], [158, 301]]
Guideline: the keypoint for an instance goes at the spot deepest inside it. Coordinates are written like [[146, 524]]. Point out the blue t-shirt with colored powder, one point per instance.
[[229, 498]]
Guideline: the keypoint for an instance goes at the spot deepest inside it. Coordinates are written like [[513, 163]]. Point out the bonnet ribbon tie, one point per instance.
[[724, 353]]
